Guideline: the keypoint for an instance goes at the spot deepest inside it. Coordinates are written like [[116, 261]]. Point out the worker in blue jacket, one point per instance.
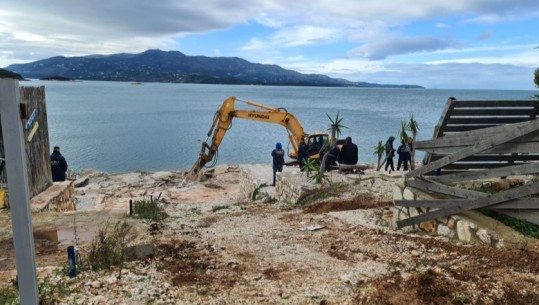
[[278, 160]]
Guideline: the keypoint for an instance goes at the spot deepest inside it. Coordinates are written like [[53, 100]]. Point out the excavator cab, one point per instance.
[[315, 143]]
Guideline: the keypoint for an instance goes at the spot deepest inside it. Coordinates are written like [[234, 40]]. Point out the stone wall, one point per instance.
[[462, 227], [290, 185], [58, 197]]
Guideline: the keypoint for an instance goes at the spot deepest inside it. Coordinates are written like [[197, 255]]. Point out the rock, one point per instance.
[[483, 236], [415, 253], [463, 231]]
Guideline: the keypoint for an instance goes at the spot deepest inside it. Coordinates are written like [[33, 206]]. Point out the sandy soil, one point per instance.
[[217, 249]]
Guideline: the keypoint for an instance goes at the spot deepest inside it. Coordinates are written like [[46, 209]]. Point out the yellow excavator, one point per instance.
[[222, 122]]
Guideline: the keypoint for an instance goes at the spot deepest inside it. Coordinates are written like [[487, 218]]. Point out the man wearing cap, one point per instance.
[[58, 165], [278, 160]]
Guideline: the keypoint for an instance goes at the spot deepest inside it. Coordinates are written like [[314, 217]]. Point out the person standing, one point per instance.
[[303, 153], [348, 153], [404, 156], [58, 165], [278, 160], [390, 153]]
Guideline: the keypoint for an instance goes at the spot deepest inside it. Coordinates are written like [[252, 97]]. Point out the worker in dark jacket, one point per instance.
[[58, 165], [303, 153], [404, 156], [348, 153], [278, 160], [390, 153]]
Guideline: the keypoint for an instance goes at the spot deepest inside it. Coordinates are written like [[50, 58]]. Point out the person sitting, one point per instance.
[[349, 153]]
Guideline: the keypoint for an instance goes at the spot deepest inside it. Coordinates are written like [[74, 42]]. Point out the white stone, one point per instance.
[[483, 236], [408, 194], [463, 231], [445, 231], [397, 193]]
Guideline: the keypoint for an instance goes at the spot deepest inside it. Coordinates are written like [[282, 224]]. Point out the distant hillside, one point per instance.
[[176, 67], [8, 74]]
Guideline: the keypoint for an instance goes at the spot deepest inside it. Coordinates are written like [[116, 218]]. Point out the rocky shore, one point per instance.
[[219, 247]]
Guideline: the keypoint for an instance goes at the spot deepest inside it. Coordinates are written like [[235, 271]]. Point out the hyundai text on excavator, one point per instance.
[[222, 122]]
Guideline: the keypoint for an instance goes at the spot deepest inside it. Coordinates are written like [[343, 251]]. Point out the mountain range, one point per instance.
[[176, 67]]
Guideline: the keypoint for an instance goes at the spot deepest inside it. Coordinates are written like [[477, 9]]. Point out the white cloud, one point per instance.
[[388, 46], [292, 37]]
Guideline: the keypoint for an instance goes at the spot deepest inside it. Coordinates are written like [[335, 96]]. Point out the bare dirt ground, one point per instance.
[[217, 249]]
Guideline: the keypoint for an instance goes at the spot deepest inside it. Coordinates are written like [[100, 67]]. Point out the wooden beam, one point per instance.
[[497, 157], [506, 148], [522, 203], [522, 169], [431, 186], [485, 120], [514, 193], [491, 111], [477, 166], [461, 128], [499, 103], [511, 133], [474, 136]]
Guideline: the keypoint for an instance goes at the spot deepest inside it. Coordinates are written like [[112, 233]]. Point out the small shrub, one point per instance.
[[9, 295], [333, 190], [522, 226], [108, 248], [257, 190], [149, 209]]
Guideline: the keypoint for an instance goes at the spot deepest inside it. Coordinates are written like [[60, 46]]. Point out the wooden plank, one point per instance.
[[512, 132], [491, 112], [506, 148], [496, 103], [522, 169], [441, 122], [431, 186], [461, 128], [474, 136], [477, 166], [486, 120], [522, 203], [496, 158], [514, 193]]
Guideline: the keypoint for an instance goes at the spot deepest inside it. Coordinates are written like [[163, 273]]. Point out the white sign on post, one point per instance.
[[19, 194]]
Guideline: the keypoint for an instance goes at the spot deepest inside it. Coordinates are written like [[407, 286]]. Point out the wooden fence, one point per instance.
[[478, 140], [36, 133]]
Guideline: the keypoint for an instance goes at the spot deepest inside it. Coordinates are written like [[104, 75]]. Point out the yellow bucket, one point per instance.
[[2, 199]]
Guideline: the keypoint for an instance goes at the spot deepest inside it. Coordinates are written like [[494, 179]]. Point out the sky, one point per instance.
[[457, 44]]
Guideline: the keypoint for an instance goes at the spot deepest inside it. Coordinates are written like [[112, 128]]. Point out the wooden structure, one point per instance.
[[478, 140], [36, 134]]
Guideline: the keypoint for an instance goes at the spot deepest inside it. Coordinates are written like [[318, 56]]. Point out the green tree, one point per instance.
[[379, 152], [335, 128], [413, 127]]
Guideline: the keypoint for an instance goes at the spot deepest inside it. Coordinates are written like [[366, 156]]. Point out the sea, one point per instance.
[[121, 127]]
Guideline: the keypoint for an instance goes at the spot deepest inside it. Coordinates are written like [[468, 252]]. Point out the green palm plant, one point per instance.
[[413, 127], [379, 152], [335, 127], [313, 172]]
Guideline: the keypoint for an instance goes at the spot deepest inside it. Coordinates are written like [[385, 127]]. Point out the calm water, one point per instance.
[[121, 127]]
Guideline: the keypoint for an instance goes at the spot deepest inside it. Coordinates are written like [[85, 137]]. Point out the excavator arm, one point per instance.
[[222, 122]]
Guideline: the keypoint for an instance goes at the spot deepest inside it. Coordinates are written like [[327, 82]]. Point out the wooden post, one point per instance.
[[19, 195]]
